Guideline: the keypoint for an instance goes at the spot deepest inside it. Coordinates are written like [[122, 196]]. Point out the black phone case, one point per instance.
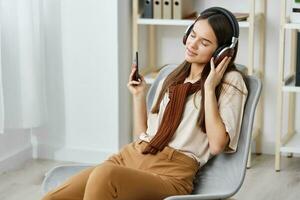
[[136, 75]]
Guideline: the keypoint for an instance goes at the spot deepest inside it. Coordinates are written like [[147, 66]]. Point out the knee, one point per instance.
[[56, 193], [48, 197], [104, 172], [102, 177]]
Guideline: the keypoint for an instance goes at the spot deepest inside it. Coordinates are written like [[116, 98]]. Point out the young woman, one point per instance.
[[196, 114]]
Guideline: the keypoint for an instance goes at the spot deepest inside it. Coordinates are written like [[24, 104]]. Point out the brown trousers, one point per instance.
[[131, 175]]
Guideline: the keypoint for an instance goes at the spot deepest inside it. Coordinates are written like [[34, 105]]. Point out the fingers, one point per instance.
[[130, 83], [220, 66], [212, 64], [225, 65], [142, 78], [132, 72]]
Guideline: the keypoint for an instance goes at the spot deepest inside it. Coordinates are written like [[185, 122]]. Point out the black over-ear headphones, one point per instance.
[[225, 50]]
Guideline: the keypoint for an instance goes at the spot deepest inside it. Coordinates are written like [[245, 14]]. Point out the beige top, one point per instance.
[[188, 138]]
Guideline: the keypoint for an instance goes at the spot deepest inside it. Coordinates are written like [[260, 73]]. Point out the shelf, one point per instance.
[[185, 22], [171, 22], [292, 146], [289, 85], [176, 22], [292, 26]]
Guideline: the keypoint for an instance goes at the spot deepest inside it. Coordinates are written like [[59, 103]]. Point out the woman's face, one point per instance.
[[201, 43]]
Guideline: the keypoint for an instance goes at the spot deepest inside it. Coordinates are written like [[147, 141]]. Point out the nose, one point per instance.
[[193, 44]]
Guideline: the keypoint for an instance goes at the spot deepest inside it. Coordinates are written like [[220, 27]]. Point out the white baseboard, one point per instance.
[[268, 148], [16, 159], [89, 156]]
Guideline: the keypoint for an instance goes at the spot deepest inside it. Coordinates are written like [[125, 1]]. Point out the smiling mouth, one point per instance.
[[190, 52]]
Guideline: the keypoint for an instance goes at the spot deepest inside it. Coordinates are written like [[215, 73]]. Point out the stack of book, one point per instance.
[[175, 9], [168, 9]]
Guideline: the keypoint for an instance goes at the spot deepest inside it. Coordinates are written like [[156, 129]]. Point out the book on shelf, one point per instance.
[[241, 16], [166, 9], [297, 77], [238, 16], [147, 8], [175, 9], [182, 8], [157, 9]]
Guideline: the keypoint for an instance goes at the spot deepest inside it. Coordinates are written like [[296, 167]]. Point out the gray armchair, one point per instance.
[[221, 177]]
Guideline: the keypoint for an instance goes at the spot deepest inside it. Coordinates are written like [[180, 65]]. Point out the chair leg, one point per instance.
[[290, 155], [249, 159], [258, 143], [257, 139]]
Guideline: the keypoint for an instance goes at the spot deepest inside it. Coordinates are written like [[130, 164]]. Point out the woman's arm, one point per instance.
[[215, 129], [139, 114], [138, 91]]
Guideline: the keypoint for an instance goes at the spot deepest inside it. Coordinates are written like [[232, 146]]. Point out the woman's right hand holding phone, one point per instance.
[[136, 88]]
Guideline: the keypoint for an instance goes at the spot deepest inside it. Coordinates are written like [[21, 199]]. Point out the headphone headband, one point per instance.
[[232, 20]]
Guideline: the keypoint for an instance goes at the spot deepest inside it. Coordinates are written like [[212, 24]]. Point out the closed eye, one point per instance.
[[204, 44], [193, 34]]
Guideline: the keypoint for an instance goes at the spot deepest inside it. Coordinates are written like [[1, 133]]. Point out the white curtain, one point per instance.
[[22, 104], [1, 94]]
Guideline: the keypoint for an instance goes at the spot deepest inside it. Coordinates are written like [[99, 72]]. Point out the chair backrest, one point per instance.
[[223, 174]]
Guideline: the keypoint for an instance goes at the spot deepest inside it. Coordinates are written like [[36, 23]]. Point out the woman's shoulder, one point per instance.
[[233, 76], [236, 79]]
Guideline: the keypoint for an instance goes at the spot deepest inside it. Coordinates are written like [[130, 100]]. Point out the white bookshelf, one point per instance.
[[290, 141], [292, 145]]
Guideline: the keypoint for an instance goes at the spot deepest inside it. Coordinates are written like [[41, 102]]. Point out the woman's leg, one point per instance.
[[72, 189], [112, 182]]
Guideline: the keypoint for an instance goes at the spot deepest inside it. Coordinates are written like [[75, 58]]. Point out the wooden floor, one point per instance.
[[261, 182]]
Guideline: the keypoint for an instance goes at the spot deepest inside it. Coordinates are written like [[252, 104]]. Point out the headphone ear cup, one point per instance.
[[218, 56], [187, 33], [217, 52]]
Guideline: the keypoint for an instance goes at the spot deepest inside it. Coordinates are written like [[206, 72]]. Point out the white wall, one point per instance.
[[87, 60], [124, 68], [15, 149]]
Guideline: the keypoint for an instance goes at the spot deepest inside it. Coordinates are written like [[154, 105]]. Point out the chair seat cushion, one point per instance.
[[59, 174]]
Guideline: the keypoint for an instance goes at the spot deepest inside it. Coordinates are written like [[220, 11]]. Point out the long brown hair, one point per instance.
[[223, 31]]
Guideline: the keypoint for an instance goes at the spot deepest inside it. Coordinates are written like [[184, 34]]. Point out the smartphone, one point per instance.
[[136, 75]]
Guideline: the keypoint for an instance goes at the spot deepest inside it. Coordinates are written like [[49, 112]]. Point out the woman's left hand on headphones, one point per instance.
[[216, 73]]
